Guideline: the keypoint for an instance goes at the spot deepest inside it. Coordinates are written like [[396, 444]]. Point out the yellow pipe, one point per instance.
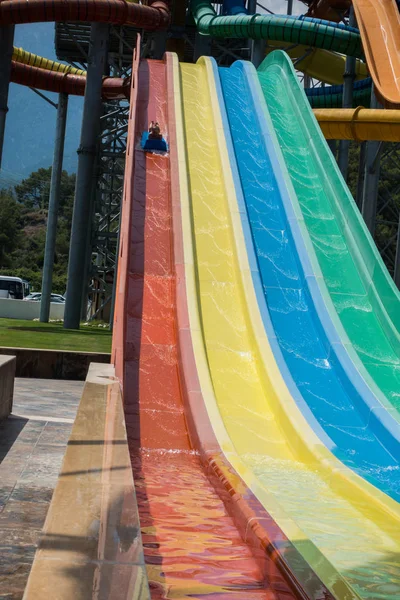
[[323, 65], [359, 124], [28, 58]]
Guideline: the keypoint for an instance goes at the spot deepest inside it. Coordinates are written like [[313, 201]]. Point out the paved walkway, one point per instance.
[[32, 446]]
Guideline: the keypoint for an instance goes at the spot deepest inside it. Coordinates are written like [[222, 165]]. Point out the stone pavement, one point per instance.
[[32, 446]]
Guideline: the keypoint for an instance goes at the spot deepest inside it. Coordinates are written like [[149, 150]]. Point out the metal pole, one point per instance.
[[348, 82], [397, 258], [202, 46], [54, 200], [159, 44], [257, 47], [92, 109], [114, 288], [371, 177], [332, 146], [6, 50], [361, 174], [290, 7]]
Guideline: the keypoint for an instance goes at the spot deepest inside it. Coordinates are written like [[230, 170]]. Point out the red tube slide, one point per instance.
[[154, 16], [52, 81], [117, 12]]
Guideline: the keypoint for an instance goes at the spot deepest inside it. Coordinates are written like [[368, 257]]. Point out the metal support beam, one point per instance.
[[202, 46], [6, 50], [257, 47], [348, 82], [290, 7], [371, 177], [92, 109], [159, 44], [361, 174], [397, 259], [54, 201]]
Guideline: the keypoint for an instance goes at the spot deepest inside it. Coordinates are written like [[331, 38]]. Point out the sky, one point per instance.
[[30, 126]]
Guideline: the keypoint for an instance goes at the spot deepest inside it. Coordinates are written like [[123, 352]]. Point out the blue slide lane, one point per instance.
[[317, 370]]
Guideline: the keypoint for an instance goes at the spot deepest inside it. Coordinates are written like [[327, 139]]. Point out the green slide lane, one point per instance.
[[360, 287]]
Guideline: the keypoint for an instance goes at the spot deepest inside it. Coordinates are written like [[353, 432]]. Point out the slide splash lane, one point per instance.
[[261, 423], [192, 547], [362, 292]]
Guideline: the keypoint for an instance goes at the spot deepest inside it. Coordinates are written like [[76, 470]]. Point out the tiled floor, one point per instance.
[[32, 446]]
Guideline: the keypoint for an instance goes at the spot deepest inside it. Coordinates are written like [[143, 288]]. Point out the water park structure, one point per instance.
[[245, 441]]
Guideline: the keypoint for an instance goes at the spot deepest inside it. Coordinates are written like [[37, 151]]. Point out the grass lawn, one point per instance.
[[33, 334]]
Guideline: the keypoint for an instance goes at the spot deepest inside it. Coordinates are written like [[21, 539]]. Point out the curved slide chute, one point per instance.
[[309, 32], [323, 65], [47, 76], [379, 25]]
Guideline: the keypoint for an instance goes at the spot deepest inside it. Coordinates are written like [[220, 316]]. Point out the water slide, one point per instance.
[[323, 378], [202, 387], [323, 65], [193, 542], [360, 288], [325, 43], [262, 431], [379, 25]]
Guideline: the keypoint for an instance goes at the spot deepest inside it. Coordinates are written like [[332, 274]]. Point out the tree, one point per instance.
[[10, 225], [33, 192], [23, 222]]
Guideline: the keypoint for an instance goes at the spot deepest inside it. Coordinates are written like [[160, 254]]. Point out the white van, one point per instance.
[[13, 287]]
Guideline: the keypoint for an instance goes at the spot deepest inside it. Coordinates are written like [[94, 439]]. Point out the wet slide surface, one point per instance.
[[192, 548], [320, 380], [347, 533], [379, 25], [354, 273]]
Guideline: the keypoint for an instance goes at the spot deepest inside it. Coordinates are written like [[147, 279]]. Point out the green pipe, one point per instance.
[[327, 100], [278, 28]]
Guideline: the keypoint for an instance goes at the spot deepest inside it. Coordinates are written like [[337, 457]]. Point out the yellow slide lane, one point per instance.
[[346, 530]]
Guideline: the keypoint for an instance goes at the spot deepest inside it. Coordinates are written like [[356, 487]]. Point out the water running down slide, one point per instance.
[[284, 463], [192, 547], [359, 285], [319, 374]]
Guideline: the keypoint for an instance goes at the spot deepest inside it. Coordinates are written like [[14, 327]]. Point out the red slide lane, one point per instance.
[[192, 547]]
